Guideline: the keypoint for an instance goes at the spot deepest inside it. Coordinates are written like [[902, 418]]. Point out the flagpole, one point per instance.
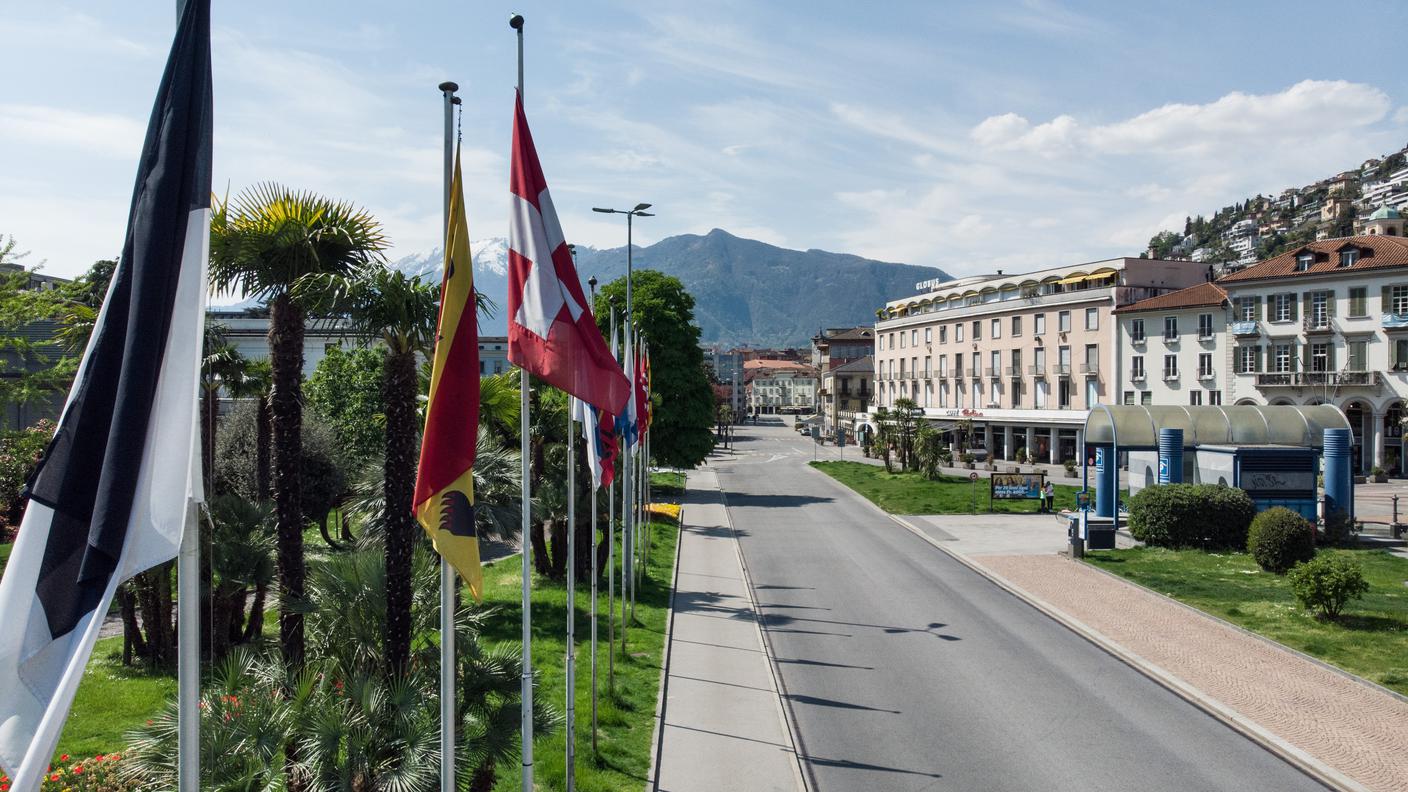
[[447, 572], [571, 597], [526, 691]]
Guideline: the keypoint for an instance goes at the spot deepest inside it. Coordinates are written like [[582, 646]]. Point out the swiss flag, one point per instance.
[[551, 331]]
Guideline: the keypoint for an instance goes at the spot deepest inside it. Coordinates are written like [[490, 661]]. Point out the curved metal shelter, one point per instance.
[[1131, 427]]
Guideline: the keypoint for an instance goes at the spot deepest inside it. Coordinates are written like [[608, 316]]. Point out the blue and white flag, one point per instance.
[[111, 495]]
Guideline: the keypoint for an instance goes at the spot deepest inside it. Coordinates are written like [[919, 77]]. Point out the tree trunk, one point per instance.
[[399, 388], [263, 439], [286, 410]]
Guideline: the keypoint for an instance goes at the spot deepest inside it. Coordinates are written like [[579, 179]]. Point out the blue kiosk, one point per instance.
[[1272, 452]]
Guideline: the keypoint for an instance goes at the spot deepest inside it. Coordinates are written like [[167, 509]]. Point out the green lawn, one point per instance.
[[112, 700], [627, 720], [911, 493], [1371, 640]]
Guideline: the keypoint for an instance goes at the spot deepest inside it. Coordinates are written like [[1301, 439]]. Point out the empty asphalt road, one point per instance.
[[904, 670]]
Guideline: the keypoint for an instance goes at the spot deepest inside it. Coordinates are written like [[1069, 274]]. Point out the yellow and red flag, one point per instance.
[[444, 499]]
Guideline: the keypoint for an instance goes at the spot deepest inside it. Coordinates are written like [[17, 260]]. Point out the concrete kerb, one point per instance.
[[784, 713], [658, 735], [1297, 758], [1302, 761]]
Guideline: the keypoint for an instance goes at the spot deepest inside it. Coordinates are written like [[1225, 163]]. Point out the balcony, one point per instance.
[[1394, 321], [1062, 369], [1090, 369], [1317, 324], [1245, 329], [1037, 371]]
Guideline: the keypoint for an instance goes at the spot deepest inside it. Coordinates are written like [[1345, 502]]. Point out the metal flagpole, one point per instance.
[[447, 572], [571, 596], [188, 624], [611, 556], [526, 691]]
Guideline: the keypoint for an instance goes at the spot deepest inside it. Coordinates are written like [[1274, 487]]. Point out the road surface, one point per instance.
[[904, 670]]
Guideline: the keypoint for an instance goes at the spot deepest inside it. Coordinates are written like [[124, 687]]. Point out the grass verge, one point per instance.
[[911, 493], [1370, 640], [627, 719]]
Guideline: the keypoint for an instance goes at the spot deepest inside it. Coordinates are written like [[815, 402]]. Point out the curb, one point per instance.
[[657, 737], [1297, 758]]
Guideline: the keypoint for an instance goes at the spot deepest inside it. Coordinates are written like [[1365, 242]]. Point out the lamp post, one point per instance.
[[626, 489]]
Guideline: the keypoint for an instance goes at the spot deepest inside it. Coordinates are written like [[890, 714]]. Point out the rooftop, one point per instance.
[[1202, 295], [1375, 252]]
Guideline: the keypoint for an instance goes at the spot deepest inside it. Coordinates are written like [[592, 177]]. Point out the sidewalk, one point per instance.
[[1359, 732], [723, 724]]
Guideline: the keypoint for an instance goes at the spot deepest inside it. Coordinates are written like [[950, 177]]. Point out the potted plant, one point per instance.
[[1379, 475]]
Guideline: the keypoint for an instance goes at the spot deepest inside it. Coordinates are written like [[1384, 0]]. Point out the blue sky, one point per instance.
[[969, 136]]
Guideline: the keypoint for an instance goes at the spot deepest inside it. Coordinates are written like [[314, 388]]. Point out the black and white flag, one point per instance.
[[111, 496]]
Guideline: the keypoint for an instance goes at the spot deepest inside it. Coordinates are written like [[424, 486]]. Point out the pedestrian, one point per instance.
[[1049, 495]]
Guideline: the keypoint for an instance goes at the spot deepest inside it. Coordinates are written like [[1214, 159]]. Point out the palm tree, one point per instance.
[[278, 245], [402, 311]]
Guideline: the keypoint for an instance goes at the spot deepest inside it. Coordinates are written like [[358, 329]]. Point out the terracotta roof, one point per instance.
[[1204, 294], [1376, 252]]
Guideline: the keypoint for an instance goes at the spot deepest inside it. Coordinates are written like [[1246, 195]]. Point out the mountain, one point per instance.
[[745, 291]]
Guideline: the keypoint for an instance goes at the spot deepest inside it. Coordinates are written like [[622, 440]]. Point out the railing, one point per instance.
[[1246, 328], [1300, 379], [1090, 368]]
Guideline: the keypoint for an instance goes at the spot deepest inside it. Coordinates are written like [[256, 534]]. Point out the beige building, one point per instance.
[[1021, 356]]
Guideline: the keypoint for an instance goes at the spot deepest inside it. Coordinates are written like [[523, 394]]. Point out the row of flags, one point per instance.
[[114, 491]]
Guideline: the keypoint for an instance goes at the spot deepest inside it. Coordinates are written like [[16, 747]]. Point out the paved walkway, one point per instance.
[[723, 720], [1356, 729]]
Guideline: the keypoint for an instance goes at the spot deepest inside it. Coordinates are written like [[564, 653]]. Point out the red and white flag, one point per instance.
[[551, 331]]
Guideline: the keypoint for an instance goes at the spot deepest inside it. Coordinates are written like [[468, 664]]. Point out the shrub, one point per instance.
[[1207, 516], [1279, 539], [1327, 583]]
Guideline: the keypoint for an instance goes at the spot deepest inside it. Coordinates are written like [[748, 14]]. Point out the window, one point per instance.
[[1129, 397], [1320, 357], [1348, 257], [1399, 300], [1136, 330], [1146, 398], [1039, 321], [943, 334], [977, 331], [958, 332], [1204, 325], [1246, 309], [1283, 307], [1063, 321], [1215, 397], [1205, 364], [1136, 367], [996, 329], [1092, 318], [1358, 301], [1170, 366], [1016, 325], [1303, 261], [1170, 328], [1358, 355], [1281, 354], [1246, 359], [1195, 398]]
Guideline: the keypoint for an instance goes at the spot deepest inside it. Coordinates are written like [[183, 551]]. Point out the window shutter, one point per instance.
[[1386, 300], [1330, 302], [1291, 298]]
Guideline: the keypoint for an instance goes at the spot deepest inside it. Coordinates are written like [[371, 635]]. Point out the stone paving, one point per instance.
[[1359, 730]]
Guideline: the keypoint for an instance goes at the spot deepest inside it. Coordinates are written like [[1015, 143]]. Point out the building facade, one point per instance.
[[1020, 356]]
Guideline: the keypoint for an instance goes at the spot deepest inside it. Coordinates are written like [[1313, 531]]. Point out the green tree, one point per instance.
[[279, 246], [682, 426], [344, 393]]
